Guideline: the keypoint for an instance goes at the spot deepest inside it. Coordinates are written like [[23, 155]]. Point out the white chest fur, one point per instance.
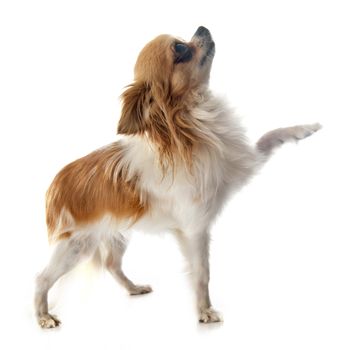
[[189, 201]]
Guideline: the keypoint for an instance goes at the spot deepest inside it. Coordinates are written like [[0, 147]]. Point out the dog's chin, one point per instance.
[[211, 49], [209, 54]]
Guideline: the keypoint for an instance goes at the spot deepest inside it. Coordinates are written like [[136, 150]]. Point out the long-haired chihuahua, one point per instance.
[[181, 153]]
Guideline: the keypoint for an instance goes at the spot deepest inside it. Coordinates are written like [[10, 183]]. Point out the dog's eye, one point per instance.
[[183, 53], [181, 48]]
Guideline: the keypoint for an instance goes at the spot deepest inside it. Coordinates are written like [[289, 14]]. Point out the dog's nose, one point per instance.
[[202, 32]]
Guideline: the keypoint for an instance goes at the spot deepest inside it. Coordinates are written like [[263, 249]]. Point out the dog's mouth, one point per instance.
[[204, 41]]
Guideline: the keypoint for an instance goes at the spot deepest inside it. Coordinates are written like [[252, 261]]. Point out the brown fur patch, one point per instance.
[[91, 187], [65, 235]]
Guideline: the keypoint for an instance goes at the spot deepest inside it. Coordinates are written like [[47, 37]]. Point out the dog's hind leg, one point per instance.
[[271, 140], [67, 254], [116, 247]]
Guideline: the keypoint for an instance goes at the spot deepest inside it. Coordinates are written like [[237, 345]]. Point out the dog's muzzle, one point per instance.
[[203, 40]]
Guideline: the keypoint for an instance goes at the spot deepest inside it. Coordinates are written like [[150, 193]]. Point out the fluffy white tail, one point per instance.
[[273, 139]]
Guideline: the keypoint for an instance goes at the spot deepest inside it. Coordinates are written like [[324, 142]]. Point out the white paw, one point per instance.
[[137, 290], [48, 321], [209, 316], [302, 131]]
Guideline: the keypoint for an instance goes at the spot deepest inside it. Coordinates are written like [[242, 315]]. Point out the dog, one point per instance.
[[181, 154]]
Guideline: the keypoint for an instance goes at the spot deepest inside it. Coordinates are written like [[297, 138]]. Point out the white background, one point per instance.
[[280, 252]]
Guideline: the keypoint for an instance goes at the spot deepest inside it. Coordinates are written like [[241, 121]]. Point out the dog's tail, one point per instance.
[[275, 138]]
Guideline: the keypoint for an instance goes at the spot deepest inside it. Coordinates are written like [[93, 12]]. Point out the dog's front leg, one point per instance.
[[195, 247]]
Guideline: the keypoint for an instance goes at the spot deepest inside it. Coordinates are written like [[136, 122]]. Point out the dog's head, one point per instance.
[[170, 75], [176, 65]]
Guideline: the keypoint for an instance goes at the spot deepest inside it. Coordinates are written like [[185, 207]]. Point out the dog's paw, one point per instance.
[[137, 290], [48, 321], [302, 131], [275, 138], [209, 316]]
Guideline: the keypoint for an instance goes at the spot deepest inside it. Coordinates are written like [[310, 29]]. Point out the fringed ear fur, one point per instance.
[[146, 109], [135, 101]]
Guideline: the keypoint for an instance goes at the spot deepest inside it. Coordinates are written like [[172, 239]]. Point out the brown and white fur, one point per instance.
[[182, 153]]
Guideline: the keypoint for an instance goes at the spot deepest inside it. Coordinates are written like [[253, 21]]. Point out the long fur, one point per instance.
[[182, 154]]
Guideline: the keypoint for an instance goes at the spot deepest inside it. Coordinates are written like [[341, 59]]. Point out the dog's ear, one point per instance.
[[136, 100]]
